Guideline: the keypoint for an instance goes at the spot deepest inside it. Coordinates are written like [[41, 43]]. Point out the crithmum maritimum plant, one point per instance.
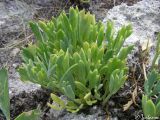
[[74, 55], [151, 96], [5, 101]]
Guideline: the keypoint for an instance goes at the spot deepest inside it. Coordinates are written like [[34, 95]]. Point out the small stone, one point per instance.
[[15, 65], [111, 103], [14, 52], [114, 118]]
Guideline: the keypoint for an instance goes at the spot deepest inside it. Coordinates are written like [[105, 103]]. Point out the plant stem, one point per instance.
[[106, 99]]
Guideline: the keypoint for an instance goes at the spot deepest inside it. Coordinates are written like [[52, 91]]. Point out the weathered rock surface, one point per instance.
[[94, 113], [143, 16], [14, 18]]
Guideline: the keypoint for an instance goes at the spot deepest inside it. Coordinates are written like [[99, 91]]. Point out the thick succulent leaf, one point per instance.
[[158, 99], [57, 100], [100, 36], [93, 79], [36, 30], [144, 100], [109, 34], [88, 100], [23, 76], [156, 89], [113, 64], [66, 61], [4, 93], [28, 53], [124, 52], [68, 91], [81, 87], [60, 103], [149, 109], [117, 79], [30, 115], [97, 95], [158, 109], [91, 102], [67, 74], [108, 55], [55, 107], [123, 33], [73, 17], [72, 107], [149, 83]]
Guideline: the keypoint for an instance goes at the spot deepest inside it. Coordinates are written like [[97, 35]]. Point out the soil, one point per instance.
[[27, 101]]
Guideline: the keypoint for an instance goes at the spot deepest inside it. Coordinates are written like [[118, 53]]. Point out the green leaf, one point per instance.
[[149, 109], [31, 115], [100, 36], [36, 30], [124, 52], [63, 78], [57, 100], [113, 64], [117, 79], [88, 100], [73, 17], [60, 103], [29, 53], [72, 107], [93, 79], [81, 87], [144, 100], [158, 109], [149, 83], [123, 33], [109, 33], [69, 92], [4, 93]]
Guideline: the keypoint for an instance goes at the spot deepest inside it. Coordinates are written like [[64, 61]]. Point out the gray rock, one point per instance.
[[14, 18], [144, 17], [15, 15], [16, 86], [94, 113]]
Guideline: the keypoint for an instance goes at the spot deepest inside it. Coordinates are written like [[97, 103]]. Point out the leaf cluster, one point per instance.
[[76, 56], [151, 98], [5, 101]]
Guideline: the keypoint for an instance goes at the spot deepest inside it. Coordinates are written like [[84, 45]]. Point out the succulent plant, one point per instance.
[[74, 55], [5, 101], [151, 96], [4, 93], [152, 90]]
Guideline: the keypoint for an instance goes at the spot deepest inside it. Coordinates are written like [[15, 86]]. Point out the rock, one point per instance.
[[93, 113], [99, 114], [16, 86], [15, 15], [143, 16], [114, 118], [14, 52]]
